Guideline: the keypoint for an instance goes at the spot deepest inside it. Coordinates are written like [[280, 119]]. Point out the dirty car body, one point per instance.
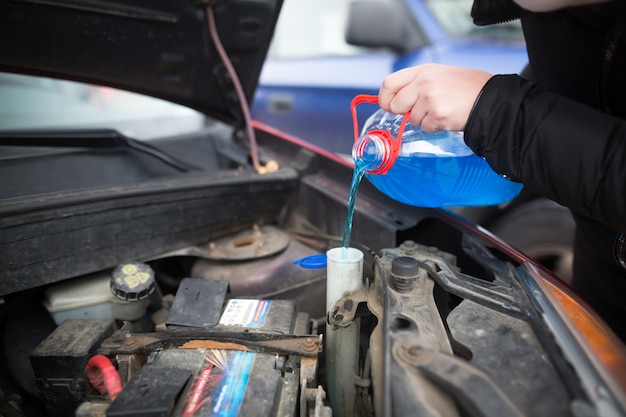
[[158, 278]]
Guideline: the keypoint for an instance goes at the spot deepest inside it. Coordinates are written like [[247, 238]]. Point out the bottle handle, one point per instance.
[[384, 135]]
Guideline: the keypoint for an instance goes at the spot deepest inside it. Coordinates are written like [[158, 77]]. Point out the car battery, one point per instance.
[[59, 362], [199, 304], [210, 382], [195, 379]]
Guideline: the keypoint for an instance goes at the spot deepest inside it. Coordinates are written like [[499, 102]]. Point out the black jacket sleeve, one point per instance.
[[557, 147]]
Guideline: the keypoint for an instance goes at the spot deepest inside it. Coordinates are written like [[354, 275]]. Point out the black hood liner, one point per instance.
[[160, 48]]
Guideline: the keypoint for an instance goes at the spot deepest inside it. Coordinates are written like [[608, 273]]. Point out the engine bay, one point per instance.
[[201, 293], [187, 334]]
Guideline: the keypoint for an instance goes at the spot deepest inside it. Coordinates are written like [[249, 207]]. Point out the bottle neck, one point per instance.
[[370, 152]]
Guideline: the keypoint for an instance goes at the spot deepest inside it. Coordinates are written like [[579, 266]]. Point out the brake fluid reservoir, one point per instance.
[[424, 169], [98, 297]]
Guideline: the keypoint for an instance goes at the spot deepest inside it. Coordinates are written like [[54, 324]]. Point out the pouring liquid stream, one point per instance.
[[361, 165]]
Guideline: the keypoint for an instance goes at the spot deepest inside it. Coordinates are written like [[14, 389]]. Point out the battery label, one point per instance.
[[245, 313], [218, 390]]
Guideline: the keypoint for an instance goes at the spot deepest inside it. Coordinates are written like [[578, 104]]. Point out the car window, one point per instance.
[[28, 102], [312, 28], [307, 29], [454, 16]]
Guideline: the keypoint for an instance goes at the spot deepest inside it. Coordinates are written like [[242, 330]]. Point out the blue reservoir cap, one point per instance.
[[312, 262]]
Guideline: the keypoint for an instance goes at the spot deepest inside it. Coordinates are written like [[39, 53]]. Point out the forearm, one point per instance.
[[557, 147], [549, 5]]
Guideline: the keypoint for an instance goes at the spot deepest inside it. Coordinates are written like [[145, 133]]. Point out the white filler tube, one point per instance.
[[344, 276]]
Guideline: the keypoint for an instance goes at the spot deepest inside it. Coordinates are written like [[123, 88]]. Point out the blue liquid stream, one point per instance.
[[360, 166]]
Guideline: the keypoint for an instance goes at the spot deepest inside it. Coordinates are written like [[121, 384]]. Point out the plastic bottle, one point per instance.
[[424, 169]]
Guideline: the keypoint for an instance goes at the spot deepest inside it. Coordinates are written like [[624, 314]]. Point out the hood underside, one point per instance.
[[161, 48]]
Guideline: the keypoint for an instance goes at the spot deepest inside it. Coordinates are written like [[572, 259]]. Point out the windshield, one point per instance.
[[316, 28], [312, 28], [454, 16], [28, 102]]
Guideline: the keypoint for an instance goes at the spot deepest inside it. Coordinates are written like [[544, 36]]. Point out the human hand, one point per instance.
[[440, 97]]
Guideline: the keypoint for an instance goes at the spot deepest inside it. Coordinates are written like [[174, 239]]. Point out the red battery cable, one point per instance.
[[103, 376]]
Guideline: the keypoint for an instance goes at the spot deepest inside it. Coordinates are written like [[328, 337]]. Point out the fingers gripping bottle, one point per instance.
[[424, 169]]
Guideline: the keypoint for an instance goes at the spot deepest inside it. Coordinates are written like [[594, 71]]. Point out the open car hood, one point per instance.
[[161, 48]]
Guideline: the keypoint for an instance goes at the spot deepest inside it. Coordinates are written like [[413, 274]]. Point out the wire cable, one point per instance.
[[271, 166], [103, 376]]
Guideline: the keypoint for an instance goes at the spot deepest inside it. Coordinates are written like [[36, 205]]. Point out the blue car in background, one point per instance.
[[327, 51]]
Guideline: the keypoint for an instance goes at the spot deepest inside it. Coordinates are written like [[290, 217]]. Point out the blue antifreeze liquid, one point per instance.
[[435, 181], [431, 170], [367, 161]]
